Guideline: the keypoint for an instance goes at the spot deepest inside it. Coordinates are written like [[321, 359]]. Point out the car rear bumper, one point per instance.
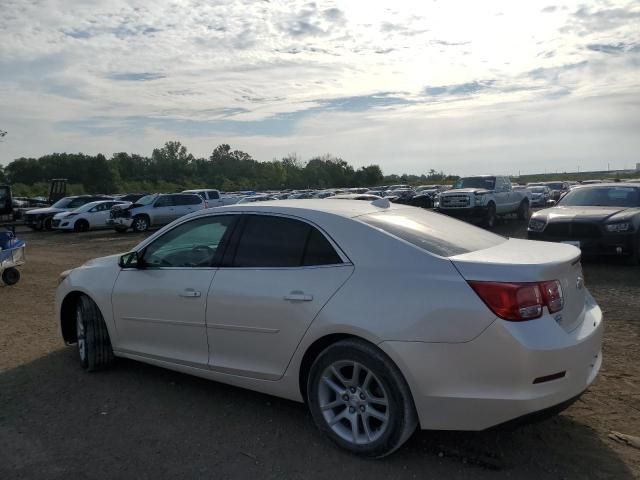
[[607, 244], [505, 373]]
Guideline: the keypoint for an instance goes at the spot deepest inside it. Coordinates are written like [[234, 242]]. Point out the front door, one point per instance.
[[159, 308], [279, 275]]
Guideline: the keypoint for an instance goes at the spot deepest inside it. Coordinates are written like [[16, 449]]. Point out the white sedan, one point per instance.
[[89, 216], [468, 330]]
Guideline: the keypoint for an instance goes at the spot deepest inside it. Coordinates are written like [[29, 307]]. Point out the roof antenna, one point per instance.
[[381, 203]]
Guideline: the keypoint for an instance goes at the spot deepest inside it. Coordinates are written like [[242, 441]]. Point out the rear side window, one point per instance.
[[435, 233], [270, 241], [165, 201], [213, 195], [187, 200]]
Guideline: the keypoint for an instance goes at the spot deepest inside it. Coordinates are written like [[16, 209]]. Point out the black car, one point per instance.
[[601, 219]]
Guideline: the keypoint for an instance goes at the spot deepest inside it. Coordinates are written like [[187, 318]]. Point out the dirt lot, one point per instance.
[[56, 421]]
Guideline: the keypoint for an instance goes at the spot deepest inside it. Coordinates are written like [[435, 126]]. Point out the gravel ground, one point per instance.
[[139, 421]]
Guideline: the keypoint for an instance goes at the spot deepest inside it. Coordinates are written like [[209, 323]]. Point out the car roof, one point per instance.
[[342, 208], [607, 184]]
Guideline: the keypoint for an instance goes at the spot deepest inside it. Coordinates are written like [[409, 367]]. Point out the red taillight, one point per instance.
[[553, 297], [520, 301]]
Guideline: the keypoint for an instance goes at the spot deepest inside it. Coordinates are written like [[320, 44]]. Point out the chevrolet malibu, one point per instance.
[[469, 329]]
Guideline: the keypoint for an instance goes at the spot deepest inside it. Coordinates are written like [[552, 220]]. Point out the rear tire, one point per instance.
[[490, 218], [11, 276], [523, 211], [634, 259], [94, 345], [360, 400], [140, 223]]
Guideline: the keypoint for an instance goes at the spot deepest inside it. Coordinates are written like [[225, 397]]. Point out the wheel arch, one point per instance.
[[320, 344], [68, 314]]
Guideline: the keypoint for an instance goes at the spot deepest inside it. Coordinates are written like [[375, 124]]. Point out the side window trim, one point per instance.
[[239, 226]]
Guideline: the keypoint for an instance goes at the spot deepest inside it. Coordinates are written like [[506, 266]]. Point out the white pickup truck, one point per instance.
[[212, 198], [482, 198]]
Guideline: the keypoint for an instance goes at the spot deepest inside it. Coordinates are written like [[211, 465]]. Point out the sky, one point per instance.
[[465, 87]]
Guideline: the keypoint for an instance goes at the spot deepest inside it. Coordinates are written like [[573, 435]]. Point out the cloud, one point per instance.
[[136, 77], [280, 75]]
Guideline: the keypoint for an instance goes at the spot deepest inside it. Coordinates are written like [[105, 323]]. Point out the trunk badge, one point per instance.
[[579, 283]]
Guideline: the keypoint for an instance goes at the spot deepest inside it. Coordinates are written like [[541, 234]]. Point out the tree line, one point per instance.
[[173, 168]]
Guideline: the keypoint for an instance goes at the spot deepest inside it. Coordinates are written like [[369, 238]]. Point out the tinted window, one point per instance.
[[192, 244], [164, 202], [213, 195], [190, 200], [433, 232], [319, 251], [269, 241], [78, 202]]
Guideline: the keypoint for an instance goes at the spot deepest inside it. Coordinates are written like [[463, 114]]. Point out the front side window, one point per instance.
[[270, 241], [192, 244]]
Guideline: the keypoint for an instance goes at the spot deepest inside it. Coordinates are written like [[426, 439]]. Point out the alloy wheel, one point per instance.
[[354, 403]]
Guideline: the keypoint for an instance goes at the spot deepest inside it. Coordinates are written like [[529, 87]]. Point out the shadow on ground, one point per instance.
[[134, 420]]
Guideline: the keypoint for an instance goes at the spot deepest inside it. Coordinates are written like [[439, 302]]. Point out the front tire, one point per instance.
[[81, 226], [94, 345], [47, 224], [140, 223], [523, 211], [490, 218], [360, 400]]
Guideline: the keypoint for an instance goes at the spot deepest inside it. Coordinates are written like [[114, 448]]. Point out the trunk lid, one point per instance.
[[530, 261]]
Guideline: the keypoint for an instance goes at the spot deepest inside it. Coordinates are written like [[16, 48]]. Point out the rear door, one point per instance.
[[163, 210], [276, 276]]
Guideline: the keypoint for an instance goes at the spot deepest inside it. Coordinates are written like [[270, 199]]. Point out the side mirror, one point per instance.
[[551, 203], [130, 260]]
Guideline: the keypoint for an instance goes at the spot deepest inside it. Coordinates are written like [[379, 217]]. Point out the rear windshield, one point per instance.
[[435, 233]]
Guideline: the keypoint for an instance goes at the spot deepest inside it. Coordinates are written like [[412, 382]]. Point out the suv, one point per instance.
[[42, 218], [480, 199], [154, 210]]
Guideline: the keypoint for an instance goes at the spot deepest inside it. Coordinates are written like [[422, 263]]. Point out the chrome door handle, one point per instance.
[[298, 297], [190, 292]]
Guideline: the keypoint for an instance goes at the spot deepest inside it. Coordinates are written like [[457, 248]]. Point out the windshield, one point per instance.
[[476, 182], [537, 189], [602, 197], [62, 203], [146, 200], [435, 233], [555, 186]]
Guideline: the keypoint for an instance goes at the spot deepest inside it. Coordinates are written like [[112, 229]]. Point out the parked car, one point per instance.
[[355, 196], [469, 329], [130, 197], [255, 198], [213, 198], [154, 210], [601, 219], [482, 198], [539, 195], [557, 189], [90, 216], [42, 218]]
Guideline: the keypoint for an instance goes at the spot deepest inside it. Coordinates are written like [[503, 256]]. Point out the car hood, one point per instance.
[[46, 211], [467, 190], [596, 214], [97, 262]]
